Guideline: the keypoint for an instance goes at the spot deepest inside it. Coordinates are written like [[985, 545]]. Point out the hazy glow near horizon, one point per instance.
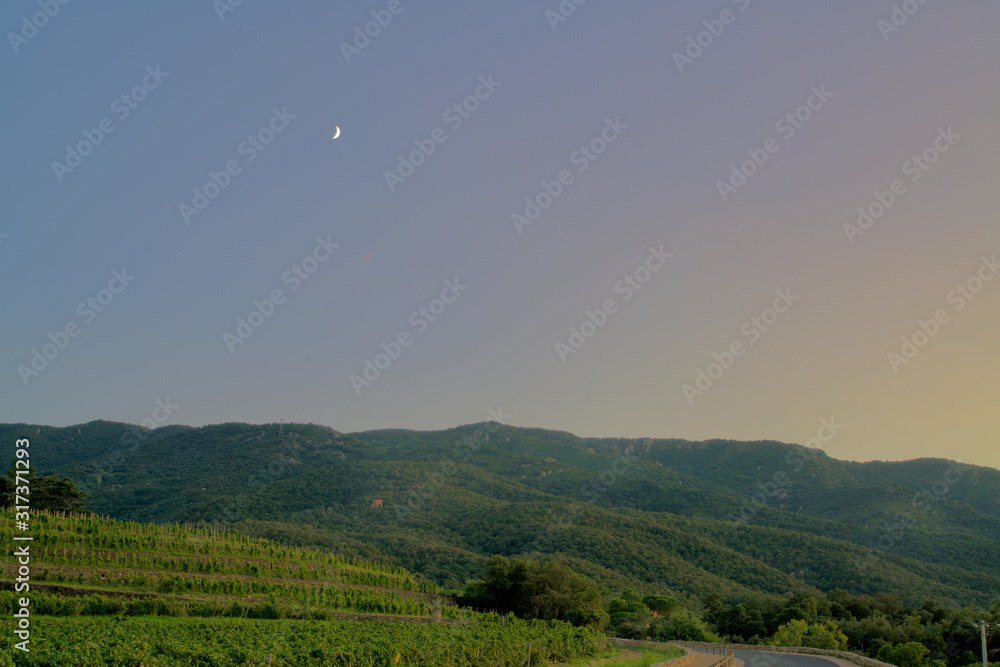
[[729, 221]]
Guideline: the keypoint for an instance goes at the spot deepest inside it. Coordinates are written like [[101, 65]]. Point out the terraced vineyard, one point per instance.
[[109, 593], [88, 565]]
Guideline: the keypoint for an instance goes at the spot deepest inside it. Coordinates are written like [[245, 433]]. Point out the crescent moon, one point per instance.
[[336, 132]]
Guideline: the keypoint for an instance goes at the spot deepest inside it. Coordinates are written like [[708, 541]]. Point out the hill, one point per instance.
[[103, 592], [90, 565], [740, 519]]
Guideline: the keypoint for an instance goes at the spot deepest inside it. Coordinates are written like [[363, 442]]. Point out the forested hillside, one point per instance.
[[737, 519]]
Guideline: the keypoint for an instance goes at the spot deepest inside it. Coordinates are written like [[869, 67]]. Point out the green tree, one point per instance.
[[791, 633], [824, 635], [661, 604], [681, 625], [628, 602], [968, 658], [629, 616], [53, 493], [529, 589], [802, 606], [503, 587], [558, 593], [741, 622], [911, 654]]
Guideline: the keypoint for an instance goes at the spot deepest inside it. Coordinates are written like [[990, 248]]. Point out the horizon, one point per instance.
[[538, 428]]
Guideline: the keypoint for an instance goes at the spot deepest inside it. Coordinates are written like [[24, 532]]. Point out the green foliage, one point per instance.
[[681, 625], [115, 568], [910, 654], [650, 657], [453, 498], [868, 624], [545, 590], [740, 622], [629, 603], [51, 492], [223, 642], [661, 604], [678, 524], [968, 658], [629, 616], [825, 635]]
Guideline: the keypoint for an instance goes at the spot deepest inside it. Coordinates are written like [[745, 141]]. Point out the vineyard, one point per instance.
[[108, 593], [88, 565], [173, 642]]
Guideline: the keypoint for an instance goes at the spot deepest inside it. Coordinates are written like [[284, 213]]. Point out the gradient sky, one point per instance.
[[495, 345]]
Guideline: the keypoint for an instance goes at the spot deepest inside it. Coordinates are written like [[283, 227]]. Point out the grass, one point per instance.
[[643, 657], [651, 657]]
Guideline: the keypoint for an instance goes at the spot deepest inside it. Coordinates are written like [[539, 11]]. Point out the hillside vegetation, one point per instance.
[[228, 642], [104, 592], [686, 519], [88, 565]]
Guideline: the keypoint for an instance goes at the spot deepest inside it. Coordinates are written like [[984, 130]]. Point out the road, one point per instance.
[[764, 659]]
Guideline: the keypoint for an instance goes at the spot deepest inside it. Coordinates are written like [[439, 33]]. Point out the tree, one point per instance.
[[824, 635], [681, 625], [889, 604], [802, 606], [502, 587], [52, 493], [529, 589], [868, 634], [713, 605], [911, 654], [968, 658], [629, 616], [839, 599], [742, 621], [661, 604], [558, 593], [791, 634]]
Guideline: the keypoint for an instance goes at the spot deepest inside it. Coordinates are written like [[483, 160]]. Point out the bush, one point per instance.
[[681, 625]]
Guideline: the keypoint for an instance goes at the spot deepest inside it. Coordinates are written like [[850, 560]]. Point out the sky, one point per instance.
[[729, 219]]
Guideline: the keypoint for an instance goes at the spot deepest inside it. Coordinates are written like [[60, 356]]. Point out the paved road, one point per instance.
[[707, 659], [764, 659]]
